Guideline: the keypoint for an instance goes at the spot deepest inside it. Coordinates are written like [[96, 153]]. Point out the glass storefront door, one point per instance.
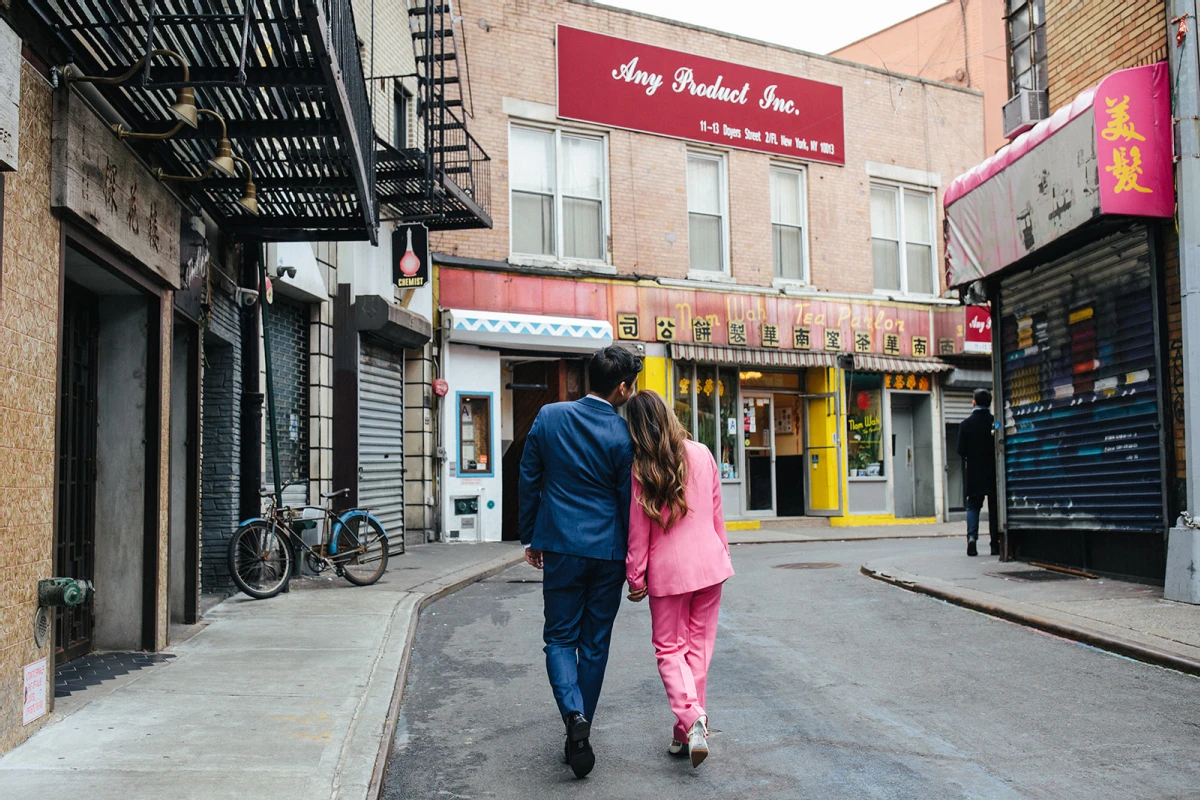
[[759, 452]]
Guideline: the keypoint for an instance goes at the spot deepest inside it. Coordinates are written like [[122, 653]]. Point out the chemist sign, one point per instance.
[[410, 256], [625, 84]]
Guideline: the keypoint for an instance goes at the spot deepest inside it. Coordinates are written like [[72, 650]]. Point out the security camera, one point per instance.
[[246, 297], [289, 272]]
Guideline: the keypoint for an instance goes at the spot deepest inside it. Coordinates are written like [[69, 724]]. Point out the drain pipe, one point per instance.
[[1183, 541]]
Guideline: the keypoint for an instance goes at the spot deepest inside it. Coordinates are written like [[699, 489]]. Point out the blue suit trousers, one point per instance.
[[582, 596]]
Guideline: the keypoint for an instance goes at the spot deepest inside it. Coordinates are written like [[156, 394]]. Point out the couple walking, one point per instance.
[[602, 503]]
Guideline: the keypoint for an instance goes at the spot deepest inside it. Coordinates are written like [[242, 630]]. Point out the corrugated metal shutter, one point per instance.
[[1081, 398], [956, 406], [381, 438]]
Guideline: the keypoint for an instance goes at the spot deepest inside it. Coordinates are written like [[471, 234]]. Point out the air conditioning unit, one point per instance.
[[1025, 110]]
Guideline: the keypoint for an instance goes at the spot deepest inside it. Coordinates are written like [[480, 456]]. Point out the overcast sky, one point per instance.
[[818, 26]]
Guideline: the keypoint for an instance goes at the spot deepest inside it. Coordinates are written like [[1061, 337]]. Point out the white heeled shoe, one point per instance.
[[676, 747], [698, 741]]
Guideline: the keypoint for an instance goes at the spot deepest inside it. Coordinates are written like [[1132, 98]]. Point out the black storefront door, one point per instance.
[[76, 534]]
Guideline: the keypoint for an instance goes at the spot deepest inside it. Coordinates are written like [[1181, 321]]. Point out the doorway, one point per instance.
[[75, 551], [529, 384], [759, 448], [912, 455], [789, 455]]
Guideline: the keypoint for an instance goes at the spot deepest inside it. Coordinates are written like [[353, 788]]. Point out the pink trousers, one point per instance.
[[684, 633]]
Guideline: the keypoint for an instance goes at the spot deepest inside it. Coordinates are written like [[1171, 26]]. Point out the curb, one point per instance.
[[1112, 644], [842, 539], [487, 570]]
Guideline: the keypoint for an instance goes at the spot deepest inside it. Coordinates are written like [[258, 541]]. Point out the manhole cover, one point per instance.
[[808, 565], [1035, 575]]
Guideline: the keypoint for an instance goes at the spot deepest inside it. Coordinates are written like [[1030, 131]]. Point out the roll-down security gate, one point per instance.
[[381, 438], [1081, 405]]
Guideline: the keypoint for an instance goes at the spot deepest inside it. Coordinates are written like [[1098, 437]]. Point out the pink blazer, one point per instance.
[[692, 554]]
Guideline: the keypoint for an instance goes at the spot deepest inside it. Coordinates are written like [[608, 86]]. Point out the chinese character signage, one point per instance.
[[625, 84], [627, 326], [1108, 152], [719, 318], [98, 180], [410, 256], [1133, 142], [909, 382]]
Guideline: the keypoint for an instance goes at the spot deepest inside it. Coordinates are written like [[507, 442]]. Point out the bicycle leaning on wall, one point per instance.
[[353, 544]]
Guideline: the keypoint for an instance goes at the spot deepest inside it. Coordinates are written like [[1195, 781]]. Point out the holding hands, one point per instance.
[[636, 595]]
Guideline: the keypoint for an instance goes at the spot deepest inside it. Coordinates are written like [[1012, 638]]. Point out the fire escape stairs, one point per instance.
[[452, 193]]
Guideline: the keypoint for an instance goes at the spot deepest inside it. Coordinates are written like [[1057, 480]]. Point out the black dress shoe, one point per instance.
[[579, 749], [971, 549]]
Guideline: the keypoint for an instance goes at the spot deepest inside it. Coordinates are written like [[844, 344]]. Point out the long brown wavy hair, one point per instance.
[[659, 458]]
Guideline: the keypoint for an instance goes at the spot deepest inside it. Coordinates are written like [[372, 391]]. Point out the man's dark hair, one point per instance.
[[610, 367], [983, 398]]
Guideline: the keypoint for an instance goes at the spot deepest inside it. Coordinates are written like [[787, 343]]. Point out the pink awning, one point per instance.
[[1107, 152]]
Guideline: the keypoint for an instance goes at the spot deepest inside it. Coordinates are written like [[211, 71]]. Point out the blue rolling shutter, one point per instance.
[[1081, 411]]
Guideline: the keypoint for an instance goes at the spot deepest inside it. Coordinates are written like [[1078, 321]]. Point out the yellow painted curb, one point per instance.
[[854, 521], [744, 525]]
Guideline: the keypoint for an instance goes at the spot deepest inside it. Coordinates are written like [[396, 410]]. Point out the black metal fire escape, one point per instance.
[[284, 78], [446, 183]]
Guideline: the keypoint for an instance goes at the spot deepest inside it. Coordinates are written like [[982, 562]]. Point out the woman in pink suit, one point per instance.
[[679, 556]]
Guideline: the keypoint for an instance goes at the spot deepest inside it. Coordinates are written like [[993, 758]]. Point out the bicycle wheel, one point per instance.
[[260, 560], [362, 550]]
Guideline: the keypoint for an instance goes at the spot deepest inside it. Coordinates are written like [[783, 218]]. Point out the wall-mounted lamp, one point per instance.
[[183, 109], [249, 199]]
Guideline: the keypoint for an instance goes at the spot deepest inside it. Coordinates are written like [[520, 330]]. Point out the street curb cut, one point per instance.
[[1112, 644], [493, 567]]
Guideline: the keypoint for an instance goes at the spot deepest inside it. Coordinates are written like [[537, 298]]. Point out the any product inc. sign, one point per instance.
[[624, 84]]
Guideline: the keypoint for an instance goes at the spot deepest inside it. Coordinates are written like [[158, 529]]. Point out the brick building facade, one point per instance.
[[904, 136]]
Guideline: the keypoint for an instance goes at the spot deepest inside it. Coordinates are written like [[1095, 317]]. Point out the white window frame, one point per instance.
[[725, 275], [931, 193], [559, 260], [806, 275]]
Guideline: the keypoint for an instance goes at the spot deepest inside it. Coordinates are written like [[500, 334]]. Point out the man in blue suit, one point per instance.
[[574, 522]]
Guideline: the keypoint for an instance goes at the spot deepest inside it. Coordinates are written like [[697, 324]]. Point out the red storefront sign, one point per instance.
[[1133, 142], [650, 314], [979, 330], [624, 84]]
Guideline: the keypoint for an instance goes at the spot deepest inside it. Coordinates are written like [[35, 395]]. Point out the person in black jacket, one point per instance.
[[976, 443]]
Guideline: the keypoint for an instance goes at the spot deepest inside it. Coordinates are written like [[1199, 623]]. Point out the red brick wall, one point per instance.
[[888, 119], [1087, 39]]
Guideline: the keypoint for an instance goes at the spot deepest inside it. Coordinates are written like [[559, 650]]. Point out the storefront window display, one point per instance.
[[474, 435], [705, 403], [864, 426]]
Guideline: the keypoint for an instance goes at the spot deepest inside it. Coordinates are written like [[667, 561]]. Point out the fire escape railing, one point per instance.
[[448, 186]]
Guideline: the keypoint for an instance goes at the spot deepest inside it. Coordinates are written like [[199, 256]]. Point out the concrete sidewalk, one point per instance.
[[291, 697], [1130, 619], [815, 530]]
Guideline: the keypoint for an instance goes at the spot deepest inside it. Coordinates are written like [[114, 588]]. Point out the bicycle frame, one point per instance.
[[335, 522]]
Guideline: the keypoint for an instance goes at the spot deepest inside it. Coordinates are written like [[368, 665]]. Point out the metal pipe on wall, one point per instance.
[[1183, 543]]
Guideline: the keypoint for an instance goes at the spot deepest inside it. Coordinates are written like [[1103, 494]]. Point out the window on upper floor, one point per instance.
[[1026, 45], [902, 239], [400, 123], [708, 229], [788, 222], [559, 191]]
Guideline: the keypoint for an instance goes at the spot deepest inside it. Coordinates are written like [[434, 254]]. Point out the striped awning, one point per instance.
[[797, 359]]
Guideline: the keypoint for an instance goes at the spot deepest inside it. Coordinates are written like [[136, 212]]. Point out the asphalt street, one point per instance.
[[825, 684]]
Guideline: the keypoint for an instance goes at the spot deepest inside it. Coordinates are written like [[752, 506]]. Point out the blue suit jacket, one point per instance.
[[575, 474]]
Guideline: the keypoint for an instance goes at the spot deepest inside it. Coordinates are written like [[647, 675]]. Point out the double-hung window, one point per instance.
[[1026, 45], [558, 194], [708, 232], [787, 223], [902, 239]]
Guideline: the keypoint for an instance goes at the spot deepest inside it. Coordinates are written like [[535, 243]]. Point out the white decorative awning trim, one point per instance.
[[528, 331]]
